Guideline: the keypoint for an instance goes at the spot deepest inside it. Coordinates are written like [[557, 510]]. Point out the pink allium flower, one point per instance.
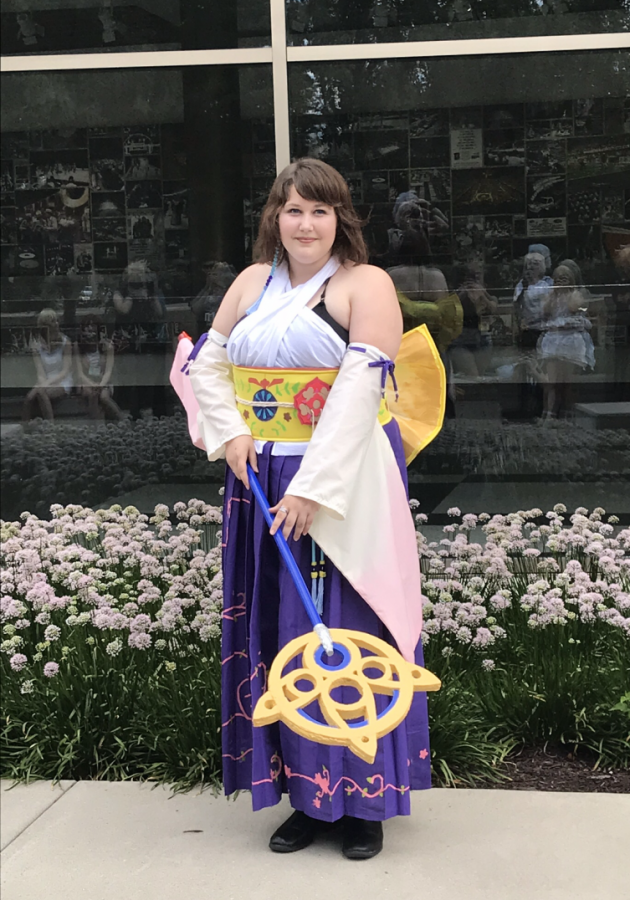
[[51, 669], [139, 640], [18, 661], [483, 638], [140, 622]]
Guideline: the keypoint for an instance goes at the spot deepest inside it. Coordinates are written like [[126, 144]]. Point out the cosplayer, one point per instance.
[[331, 460]]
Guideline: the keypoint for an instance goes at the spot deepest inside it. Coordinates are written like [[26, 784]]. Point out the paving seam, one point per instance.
[[42, 813]]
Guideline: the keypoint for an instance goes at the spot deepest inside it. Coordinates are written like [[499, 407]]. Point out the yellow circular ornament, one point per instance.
[[355, 725]]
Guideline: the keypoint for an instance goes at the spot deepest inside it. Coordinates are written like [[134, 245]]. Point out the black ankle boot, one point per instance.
[[296, 833], [362, 839]]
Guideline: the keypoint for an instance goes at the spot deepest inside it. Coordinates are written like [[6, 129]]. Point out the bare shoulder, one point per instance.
[[251, 276], [369, 284], [363, 275]]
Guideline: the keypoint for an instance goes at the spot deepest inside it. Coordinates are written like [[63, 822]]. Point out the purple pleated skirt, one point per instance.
[[262, 613]]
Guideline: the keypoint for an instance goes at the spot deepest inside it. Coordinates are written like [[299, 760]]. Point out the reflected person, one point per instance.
[[471, 351], [140, 311], [219, 277], [52, 356], [621, 306], [138, 301], [425, 299], [529, 296], [94, 364], [566, 347], [416, 221]]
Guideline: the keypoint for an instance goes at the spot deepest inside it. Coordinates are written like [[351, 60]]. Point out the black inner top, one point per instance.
[[321, 310]]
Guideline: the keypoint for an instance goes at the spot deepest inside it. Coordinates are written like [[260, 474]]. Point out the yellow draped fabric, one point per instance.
[[421, 381]]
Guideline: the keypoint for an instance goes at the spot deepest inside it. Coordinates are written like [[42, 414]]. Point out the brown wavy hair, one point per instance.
[[316, 181]]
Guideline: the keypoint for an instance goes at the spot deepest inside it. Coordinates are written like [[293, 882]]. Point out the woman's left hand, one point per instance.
[[293, 514]]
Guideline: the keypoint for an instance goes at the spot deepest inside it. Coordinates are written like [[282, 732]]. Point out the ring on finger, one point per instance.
[[283, 509]]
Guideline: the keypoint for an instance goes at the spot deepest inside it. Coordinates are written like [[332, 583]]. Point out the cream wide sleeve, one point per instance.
[[218, 419], [341, 439]]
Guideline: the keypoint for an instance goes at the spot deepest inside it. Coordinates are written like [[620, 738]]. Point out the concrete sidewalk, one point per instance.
[[126, 841]]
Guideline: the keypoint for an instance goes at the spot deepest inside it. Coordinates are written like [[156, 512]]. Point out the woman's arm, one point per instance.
[[484, 302], [375, 315]]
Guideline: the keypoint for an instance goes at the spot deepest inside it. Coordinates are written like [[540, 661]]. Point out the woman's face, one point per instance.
[[562, 277], [307, 229], [534, 267]]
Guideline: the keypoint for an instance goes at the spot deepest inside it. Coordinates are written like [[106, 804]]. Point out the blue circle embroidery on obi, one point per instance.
[[264, 413]]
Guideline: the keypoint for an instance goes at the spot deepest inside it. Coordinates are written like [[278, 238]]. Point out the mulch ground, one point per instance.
[[552, 769]]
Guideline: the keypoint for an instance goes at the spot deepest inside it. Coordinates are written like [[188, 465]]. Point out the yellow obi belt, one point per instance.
[[285, 404]]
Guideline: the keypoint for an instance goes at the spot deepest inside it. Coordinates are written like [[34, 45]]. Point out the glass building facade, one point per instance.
[[487, 148]]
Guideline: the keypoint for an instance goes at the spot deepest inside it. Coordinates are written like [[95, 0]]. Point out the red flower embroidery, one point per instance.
[[310, 401]]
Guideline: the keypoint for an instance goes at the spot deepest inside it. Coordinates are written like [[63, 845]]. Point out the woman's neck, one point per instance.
[[299, 273]]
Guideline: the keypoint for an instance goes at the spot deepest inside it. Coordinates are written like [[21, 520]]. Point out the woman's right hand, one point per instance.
[[238, 452]]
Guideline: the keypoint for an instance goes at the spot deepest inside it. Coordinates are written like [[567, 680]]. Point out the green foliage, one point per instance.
[[111, 644], [118, 718]]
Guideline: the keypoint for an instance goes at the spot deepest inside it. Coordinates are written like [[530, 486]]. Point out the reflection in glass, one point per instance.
[[104, 26], [126, 215], [495, 192], [369, 21]]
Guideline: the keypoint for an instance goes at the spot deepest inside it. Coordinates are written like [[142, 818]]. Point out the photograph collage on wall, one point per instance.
[[485, 182], [90, 201]]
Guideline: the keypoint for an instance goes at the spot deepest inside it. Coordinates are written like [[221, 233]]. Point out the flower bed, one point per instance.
[[111, 634]]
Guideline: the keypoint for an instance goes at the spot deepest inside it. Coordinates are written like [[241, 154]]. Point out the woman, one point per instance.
[[530, 294], [566, 346], [471, 351], [321, 308], [140, 312], [52, 356], [424, 298], [94, 356]]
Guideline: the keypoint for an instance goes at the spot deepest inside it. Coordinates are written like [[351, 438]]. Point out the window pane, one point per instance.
[[128, 203], [56, 26], [369, 21], [497, 193]]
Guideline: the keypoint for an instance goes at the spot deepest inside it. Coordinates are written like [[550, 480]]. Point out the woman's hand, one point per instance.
[[293, 514], [238, 452]]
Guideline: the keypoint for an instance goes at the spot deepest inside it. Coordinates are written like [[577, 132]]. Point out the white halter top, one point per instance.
[[283, 332]]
